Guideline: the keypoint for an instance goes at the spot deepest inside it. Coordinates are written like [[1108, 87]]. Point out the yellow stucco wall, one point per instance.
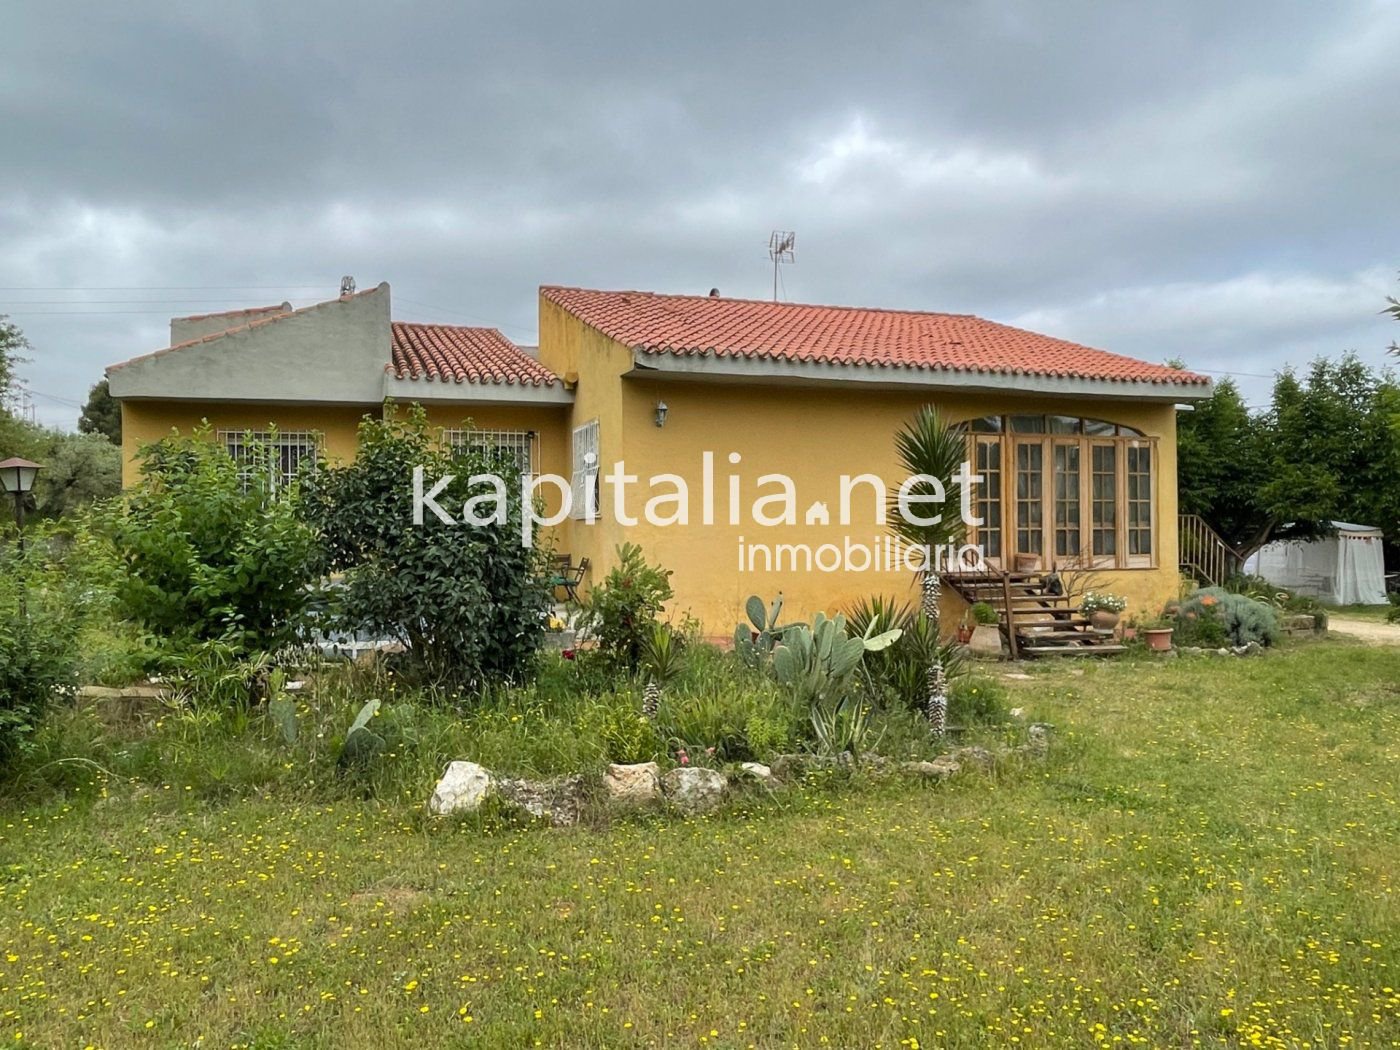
[[147, 421], [813, 435]]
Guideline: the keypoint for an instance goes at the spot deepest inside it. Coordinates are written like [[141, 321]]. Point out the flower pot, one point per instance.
[[1027, 562], [964, 634], [986, 640], [1129, 633], [1103, 620], [1159, 639]]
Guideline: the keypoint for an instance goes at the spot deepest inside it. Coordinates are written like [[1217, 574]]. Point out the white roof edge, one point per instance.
[[822, 373]]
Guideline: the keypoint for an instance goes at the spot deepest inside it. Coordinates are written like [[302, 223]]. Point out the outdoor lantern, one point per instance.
[[17, 475], [661, 410]]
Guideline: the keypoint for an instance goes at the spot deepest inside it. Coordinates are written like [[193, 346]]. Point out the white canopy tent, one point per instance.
[[1345, 569]]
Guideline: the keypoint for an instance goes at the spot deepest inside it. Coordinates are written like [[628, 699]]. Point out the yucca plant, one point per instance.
[[662, 660], [902, 669], [930, 448]]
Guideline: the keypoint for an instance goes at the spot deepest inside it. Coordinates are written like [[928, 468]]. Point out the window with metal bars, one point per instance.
[[518, 444], [290, 451]]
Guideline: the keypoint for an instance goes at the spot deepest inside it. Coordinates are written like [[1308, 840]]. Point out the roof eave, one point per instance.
[[811, 373], [450, 392]]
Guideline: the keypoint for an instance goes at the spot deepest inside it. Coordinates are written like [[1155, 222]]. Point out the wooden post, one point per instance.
[[1010, 614]]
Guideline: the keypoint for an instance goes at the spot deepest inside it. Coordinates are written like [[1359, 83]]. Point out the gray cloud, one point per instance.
[[1190, 180]]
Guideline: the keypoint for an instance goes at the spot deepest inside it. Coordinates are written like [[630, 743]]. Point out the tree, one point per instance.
[[1327, 449], [12, 343], [102, 414], [930, 449], [467, 601], [209, 549], [1223, 455]]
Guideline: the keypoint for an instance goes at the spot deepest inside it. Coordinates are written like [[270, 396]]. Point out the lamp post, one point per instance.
[[17, 476]]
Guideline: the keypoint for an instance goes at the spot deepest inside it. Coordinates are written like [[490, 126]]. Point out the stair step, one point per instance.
[[1024, 623], [1088, 637], [1073, 650]]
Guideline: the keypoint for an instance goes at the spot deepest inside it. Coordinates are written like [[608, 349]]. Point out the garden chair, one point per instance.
[[568, 576]]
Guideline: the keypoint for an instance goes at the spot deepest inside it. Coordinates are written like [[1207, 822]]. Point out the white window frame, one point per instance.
[[584, 477], [305, 444], [518, 443]]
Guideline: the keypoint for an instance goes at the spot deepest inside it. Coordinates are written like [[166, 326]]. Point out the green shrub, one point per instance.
[[619, 611], [1243, 619], [900, 672], [45, 598], [207, 548], [984, 615], [975, 701], [626, 736], [467, 601], [1200, 627]]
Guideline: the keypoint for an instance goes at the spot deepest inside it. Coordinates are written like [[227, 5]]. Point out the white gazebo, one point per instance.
[[1345, 569]]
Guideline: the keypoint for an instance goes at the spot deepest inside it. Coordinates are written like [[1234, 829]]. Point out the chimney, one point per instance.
[[714, 293]]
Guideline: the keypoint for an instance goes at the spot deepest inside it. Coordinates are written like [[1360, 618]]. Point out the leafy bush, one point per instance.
[[207, 548], [625, 734], [985, 615], [1393, 616], [1201, 628], [974, 700], [1243, 620], [900, 672], [620, 611], [44, 600], [467, 601]]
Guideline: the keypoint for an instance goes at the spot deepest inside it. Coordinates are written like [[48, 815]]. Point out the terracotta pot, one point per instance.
[[1103, 620], [1158, 638], [964, 634], [1027, 562], [1129, 633]]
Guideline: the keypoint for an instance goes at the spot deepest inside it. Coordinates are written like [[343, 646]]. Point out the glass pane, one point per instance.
[[1028, 424], [1067, 536], [1030, 498], [1064, 424], [987, 505], [1103, 494], [1140, 500], [986, 425], [1099, 427]]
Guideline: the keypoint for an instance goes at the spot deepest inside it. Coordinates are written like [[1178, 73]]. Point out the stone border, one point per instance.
[[466, 786]]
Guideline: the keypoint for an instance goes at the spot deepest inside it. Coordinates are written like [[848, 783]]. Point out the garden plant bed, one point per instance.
[[1207, 856]]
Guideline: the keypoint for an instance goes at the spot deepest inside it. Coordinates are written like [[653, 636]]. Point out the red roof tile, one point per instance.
[[692, 325], [463, 355]]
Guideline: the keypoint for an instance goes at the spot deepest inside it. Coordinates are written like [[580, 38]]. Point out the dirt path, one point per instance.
[[1370, 631]]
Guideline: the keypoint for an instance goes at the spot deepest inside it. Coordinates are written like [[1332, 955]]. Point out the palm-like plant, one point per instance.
[[661, 662], [930, 448]]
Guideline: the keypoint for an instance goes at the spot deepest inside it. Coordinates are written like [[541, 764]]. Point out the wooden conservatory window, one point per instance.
[[1061, 491]]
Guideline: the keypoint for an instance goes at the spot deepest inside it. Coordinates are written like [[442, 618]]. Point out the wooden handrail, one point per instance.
[[1202, 552]]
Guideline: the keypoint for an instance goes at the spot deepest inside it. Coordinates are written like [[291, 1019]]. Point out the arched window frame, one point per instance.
[[1063, 492]]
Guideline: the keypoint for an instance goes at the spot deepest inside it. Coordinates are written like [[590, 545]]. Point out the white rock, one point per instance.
[[633, 785], [940, 768], [462, 788], [757, 770], [693, 788], [1018, 712]]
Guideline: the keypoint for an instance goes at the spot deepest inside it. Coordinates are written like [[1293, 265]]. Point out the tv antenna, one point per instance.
[[780, 250]]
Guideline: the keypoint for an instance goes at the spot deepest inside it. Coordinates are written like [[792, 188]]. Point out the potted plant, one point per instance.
[[1158, 632], [1103, 609], [986, 634], [1130, 625], [965, 630]]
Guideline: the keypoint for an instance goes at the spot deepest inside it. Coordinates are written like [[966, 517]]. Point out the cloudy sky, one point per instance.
[[1212, 182]]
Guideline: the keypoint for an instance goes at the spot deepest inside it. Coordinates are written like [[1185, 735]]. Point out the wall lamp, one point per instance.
[[661, 409]]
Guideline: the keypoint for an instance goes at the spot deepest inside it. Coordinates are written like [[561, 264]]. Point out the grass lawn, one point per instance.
[[1378, 613], [1208, 857]]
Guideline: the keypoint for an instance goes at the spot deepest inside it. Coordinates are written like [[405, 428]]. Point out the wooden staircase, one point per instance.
[[1034, 621]]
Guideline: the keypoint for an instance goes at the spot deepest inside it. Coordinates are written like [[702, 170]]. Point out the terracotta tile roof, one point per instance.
[[459, 354], [692, 325], [257, 322]]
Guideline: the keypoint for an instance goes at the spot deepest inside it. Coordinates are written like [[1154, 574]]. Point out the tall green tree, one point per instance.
[[102, 414], [12, 346], [1327, 449], [930, 449]]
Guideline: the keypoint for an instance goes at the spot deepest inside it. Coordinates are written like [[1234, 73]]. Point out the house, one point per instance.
[[715, 396]]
